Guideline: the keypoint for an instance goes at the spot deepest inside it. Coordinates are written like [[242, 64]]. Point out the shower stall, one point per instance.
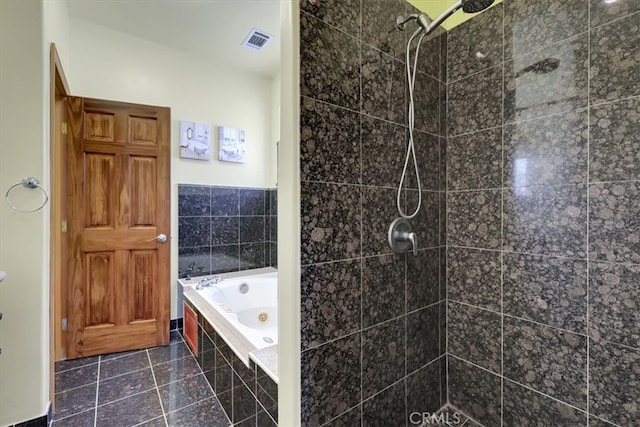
[[521, 306]]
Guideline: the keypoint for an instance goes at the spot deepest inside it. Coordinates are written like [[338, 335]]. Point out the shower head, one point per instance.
[[475, 6], [468, 6]]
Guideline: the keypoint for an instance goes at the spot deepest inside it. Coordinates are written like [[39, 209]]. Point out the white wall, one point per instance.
[[24, 243], [109, 64], [56, 30]]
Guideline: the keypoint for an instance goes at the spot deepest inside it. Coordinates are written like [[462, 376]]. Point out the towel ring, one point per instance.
[[28, 182]]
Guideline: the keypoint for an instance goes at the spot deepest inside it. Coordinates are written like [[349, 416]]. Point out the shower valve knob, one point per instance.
[[402, 238], [414, 243]]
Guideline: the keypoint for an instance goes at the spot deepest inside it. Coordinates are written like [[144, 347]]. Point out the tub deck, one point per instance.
[[266, 358]]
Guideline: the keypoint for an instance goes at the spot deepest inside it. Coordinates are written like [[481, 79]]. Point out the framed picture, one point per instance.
[[195, 140], [232, 148]]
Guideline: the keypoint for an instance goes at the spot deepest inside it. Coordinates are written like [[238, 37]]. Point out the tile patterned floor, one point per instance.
[[157, 387]]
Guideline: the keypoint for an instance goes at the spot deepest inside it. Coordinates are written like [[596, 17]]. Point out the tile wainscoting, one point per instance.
[[223, 229]]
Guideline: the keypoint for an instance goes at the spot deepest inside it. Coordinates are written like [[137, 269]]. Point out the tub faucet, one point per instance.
[[208, 281]]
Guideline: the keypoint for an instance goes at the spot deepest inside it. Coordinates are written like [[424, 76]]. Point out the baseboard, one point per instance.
[[43, 421]]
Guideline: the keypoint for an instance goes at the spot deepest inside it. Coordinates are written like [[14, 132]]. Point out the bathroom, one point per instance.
[[519, 308]]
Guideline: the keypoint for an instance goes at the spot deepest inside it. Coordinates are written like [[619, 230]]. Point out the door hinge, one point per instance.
[[63, 128], [64, 226], [64, 324]]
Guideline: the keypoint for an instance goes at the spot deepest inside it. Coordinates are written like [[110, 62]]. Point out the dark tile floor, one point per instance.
[[161, 386]]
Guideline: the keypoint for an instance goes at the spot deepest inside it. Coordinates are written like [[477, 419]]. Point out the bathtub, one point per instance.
[[242, 308]]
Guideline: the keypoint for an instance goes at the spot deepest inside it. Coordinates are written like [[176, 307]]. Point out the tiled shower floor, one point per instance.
[[451, 420], [161, 386]]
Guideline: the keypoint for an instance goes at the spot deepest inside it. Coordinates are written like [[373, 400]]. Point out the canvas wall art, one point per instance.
[[195, 140]]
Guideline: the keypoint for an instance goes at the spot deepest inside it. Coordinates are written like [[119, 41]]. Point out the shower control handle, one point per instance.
[[414, 243], [402, 238]]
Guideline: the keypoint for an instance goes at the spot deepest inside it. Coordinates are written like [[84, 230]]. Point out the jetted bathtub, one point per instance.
[[242, 308]]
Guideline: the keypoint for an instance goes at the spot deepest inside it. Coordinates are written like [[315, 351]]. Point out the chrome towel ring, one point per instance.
[[28, 182]]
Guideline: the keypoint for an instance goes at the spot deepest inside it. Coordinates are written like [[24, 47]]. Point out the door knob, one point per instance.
[[160, 238]]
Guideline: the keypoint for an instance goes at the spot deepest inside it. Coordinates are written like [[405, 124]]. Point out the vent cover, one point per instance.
[[256, 39]]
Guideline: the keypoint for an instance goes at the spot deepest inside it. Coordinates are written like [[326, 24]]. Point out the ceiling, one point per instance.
[[213, 28]]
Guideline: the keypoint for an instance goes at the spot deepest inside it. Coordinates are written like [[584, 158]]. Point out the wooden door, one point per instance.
[[117, 203]]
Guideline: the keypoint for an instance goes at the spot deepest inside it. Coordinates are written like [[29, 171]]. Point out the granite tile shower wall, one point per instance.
[[222, 229], [373, 332], [543, 194]]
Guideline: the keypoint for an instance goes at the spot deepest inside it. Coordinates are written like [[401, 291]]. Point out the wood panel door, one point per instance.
[[117, 203]]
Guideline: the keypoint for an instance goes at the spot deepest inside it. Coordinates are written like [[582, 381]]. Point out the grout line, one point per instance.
[[178, 380], [123, 374], [519, 187], [120, 356], [441, 280], [620, 18], [172, 360], [76, 388], [518, 383], [405, 323], [474, 364], [95, 415], [441, 351], [153, 374], [71, 414], [523, 319], [635, 349], [369, 115], [446, 220], [145, 422], [602, 419], [368, 328], [362, 259], [126, 397], [547, 396], [502, 239], [476, 73], [359, 185], [588, 277], [437, 359], [615, 101], [260, 405], [333, 340], [509, 252], [77, 367], [187, 406], [473, 248], [326, 423], [459, 135], [455, 408]]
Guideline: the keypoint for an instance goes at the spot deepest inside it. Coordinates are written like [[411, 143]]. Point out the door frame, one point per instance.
[[58, 90]]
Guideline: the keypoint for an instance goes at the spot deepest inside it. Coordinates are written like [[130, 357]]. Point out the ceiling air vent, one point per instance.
[[256, 39]]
